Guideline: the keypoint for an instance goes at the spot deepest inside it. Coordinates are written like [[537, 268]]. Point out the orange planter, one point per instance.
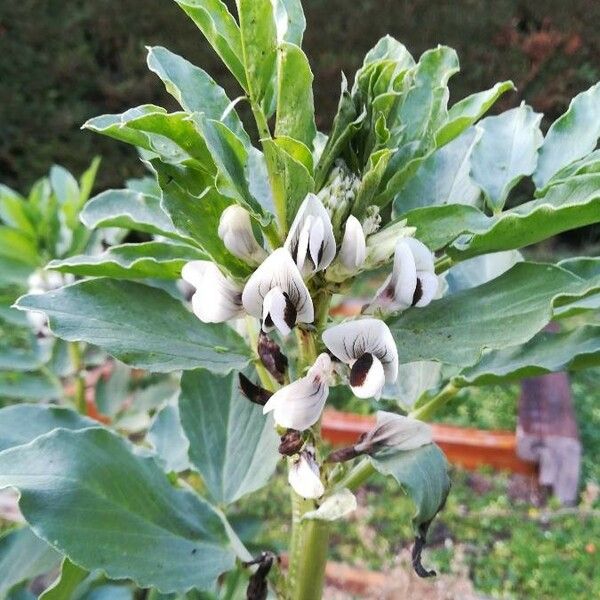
[[467, 447]]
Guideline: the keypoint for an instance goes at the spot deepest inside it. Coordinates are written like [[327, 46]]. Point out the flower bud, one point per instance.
[[217, 298], [291, 442], [235, 229], [304, 476], [353, 249], [271, 357]]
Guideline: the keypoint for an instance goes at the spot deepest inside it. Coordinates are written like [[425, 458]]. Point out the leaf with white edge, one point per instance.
[[23, 423], [194, 89], [334, 507], [506, 311], [168, 440], [130, 210], [544, 353], [140, 325], [443, 177], [568, 205], [469, 110], [232, 444], [573, 135], [35, 386], [107, 502], [587, 268], [259, 46], [221, 30], [23, 556], [423, 474], [295, 103], [290, 21], [160, 260], [67, 582], [506, 152]]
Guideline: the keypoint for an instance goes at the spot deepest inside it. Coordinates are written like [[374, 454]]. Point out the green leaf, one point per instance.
[[480, 269], [259, 47], [28, 386], [14, 272], [96, 501], [443, 177], [168, 439], [22, 359], [506, 152], [18, 246], [295, 103], [22, 423], [87, 180], [506, 311], [544, 353], [233, 446], [290, 21], [112, 392], [195, 89], [65, 586], [573, 135], [294, 179], [64, 185], [140, 325], [130, 210], [221, 30], [13, 211], [23, 556], [423, 474], [196, 213], [469, 110], [161, 260], [571, 204]]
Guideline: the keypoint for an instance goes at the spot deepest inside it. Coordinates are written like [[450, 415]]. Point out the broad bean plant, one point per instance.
[[410, 213]]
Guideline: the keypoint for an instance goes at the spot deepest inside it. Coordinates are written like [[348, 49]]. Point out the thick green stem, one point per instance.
[[358, 475], [76, 356], [443, 264], [308, 553], [428, 409]]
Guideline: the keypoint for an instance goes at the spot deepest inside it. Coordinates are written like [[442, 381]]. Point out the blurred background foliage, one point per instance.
[[64, 62]]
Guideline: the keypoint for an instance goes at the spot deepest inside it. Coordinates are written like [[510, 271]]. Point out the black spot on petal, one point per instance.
[[418, 292], [360, 369], [290, 314]]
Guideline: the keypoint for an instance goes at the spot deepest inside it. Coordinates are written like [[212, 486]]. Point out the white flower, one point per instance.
[[413, 281], [368, 347], [236, 232], [40, 282], [310, 240], [304, 476], [277, 294], [217, 298], [299, 404], [354, 248], [397, 432]]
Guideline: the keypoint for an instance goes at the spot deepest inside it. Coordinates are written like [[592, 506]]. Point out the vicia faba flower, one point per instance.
[[413, 281], [395, 431], [277, 294], [217, 298], [367, 346], [236, 232], [300, 404], [311, 241], [304, 475], [353, 249]]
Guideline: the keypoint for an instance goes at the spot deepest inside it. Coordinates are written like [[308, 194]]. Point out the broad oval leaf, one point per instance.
[[140, 325], [23, 423], [108, 504], [168, 439], [194, 89], [159, 260], [232, 444], [506, 152], [573, 135], [34, 386], [506, 311], [67, 582], [544, 353]]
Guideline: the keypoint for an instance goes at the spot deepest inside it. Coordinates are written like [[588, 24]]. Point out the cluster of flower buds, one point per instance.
[[40, 282], [324, 237]]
